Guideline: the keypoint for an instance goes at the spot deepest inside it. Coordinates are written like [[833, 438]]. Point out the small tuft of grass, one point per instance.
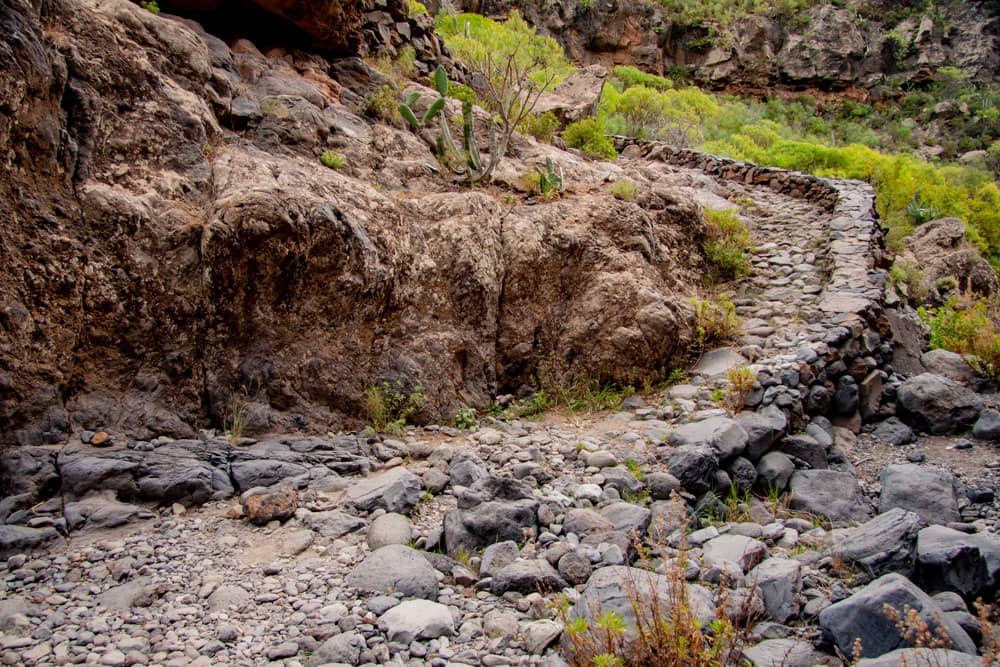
[[741, 380], [625, 190], [726, 244], [332, 159], [388, 407]]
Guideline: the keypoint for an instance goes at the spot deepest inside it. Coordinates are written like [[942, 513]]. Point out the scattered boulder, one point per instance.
[[661, 485], [627, 517], [950, 560], [937, 405], [894, 432], [416, 619], [395, 490], [583, 522], [884, 544], [805, 448], [862, 616], [539, 635], [780, 582], [262, 505], [613, 588], [465, 469], [527, 576], [834, 495], [987, 427], [102, 511], [395, 569], [330, 523], [763, 429], [489, 522], [390, 528], [722, 434], [694, 466], [929, 492]]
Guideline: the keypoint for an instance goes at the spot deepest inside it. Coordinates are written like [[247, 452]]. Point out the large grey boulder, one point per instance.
[[342, 649], [862, 616], [774, 471], [465, 469], [395, 490], [395, 569], [948, 364], [416, 619], [22, 539], [929, 492], [614, 588], [937, 405], [722, 434], [469, 530], [780, 582], [627, 517], [915, 657], [582, 522], [390, 528], [694, 466], [330, 523], [498, 556], [949, 560], [190, 472], [894, 432], [763, 429], [834, 495], [987, 427], [884, 544], [527, 576], [102, 511], [746, 552]]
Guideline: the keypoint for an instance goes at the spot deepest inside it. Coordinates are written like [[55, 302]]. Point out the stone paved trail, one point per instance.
[[447, 547]]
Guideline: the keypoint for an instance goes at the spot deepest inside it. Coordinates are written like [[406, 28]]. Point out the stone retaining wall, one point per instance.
[[849, 351]]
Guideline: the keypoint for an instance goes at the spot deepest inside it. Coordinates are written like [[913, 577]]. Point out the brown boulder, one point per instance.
[[261, 506], [942, 249]]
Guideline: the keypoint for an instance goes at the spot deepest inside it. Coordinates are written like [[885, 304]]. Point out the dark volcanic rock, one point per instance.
[[937, 405]]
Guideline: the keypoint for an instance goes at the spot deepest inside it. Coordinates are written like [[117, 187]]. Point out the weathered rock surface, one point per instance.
[[884, 544], [395, 569], [862, 616], [937, 405], [949, 560], [929, 492], [828, 493]]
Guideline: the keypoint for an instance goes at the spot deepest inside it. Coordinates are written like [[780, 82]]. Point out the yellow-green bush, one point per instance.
[[415, 8], [971, 326], [630, 76], [542, 127], [588, 136], [624, 189], [726, 243], [473, 38]]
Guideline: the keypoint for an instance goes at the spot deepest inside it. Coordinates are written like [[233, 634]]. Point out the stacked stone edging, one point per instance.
[[851, 338]]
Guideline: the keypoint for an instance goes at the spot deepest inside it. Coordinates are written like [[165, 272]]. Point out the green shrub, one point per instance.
[[415, 8], [388, 406], [630, 76], [150, 6], [968, 325], [383, 104], [726, 244], [463, 93], [542, 127], [908, 280], [588, 136], [716, 321], [466, 419], [332, 159], [624, 189]]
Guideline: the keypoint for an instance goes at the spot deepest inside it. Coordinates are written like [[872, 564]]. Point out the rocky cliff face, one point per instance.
[[170, 240], [832, 46]]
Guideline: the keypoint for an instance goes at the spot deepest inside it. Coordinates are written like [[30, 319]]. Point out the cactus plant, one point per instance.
[[550, 182], [406, 108]]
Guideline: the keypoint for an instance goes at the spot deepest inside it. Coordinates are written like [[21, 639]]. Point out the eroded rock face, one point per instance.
[[169, 255]]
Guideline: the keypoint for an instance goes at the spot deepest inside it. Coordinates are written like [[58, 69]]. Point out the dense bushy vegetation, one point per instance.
[[886, 143]]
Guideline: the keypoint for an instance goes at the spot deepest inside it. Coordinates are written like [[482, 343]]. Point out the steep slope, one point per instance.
[[826, 45], [171, 243]]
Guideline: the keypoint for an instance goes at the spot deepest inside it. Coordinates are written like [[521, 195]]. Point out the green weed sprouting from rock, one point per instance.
[[726, 244], [388, 407], [332, 159], [542, 127], [150, 6], [415, 8], [466, 419], [550, 181], [741, 380], [624, 189], [716, 321]]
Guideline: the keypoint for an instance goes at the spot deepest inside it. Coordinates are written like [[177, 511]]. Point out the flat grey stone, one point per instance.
[[395, 569], [928, 492], [834, 495], [884, 544], [416, 619]]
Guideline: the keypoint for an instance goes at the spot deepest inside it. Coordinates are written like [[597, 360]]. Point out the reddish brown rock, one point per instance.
[[261, 506]]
